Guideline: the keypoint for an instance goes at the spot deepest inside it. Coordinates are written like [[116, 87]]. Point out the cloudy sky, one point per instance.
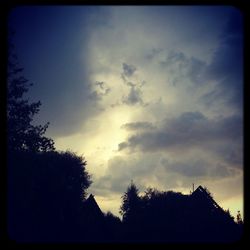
[[151, 94]]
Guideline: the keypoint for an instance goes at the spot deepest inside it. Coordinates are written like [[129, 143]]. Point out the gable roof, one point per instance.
[[203, 193], [92, 207]]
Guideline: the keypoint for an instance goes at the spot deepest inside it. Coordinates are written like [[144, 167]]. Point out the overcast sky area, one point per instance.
[[149, 94]]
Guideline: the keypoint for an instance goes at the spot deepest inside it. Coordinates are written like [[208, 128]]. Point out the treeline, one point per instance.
[[47, 203], [160, 216]]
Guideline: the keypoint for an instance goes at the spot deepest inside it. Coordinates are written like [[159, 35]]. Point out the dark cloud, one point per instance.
[[103, 86], [128, 70], [94, 96], [60, 76], [221, 170], [182, 67], [135, 89], [233, 154], [195, 70], [228, 153], [153, 53], [138, 126], [99, 90], [226, 66], [130, 84], [190, 130], [67, 119], [122, 146], [195, 168], [134, 96], [210, 97], [175, 58]]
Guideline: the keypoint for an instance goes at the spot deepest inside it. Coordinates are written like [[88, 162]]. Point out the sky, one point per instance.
[[152, 94]]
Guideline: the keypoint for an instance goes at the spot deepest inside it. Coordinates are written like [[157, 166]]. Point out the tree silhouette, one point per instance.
[[131, 210], [130, 202], [45, 196], [22, 134]]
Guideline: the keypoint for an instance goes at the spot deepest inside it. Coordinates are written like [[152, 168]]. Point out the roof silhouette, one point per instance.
[[203, 194], [92, 206]]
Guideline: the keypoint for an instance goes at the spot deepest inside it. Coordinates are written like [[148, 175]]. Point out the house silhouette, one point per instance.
[[93, 219], [204, 194], [172, 217], [211, 222]]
